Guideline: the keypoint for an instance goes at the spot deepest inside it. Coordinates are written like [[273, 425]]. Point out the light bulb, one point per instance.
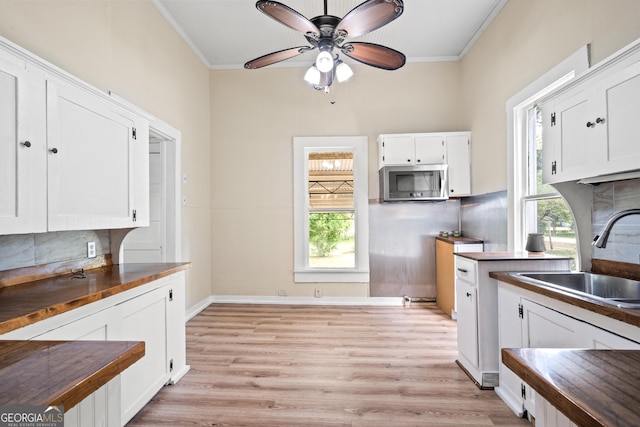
[[324, 61], [312, 76], [343, 72]]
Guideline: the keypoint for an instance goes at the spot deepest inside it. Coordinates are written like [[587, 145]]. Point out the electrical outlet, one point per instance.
[[318, 293], [91, 249]]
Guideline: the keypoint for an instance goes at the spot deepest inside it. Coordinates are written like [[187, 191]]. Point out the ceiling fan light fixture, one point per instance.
[[324, 61], [343, 71], [312, 76]]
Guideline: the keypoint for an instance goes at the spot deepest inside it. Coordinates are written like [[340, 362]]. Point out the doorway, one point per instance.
[[161, 241]]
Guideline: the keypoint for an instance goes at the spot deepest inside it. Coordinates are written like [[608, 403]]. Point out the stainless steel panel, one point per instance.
[[402, 248], [485, 217]]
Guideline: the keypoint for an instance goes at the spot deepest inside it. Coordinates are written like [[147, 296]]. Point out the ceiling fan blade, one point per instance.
[[273, 57], [287, 16], [374, 55], [369, 16]]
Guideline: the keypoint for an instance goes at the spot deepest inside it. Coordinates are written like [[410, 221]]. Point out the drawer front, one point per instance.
[[466, 270]]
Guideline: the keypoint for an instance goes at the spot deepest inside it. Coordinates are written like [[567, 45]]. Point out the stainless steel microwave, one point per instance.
[[422, 182]]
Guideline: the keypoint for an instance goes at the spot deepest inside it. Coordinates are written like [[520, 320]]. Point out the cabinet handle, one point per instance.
[[462, 270], [599, 120], [26, 144], [54, 150]]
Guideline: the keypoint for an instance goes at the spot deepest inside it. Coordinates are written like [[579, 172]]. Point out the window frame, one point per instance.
[[517, 141], [302, 146]]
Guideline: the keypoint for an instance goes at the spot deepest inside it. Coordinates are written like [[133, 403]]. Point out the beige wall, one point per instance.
[[127, 47], [254, 116], [528, 38]]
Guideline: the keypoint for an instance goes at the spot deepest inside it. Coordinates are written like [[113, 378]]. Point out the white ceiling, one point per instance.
[[227, 33]]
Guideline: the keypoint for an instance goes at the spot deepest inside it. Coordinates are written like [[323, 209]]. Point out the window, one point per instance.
[[533, 206], [331, 209], [544, 209]]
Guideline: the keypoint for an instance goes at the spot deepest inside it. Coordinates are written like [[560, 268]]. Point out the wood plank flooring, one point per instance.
[[275, 365]]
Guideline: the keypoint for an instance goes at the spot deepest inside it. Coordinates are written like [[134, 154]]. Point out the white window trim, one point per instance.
[[302, 146], [573, 66]]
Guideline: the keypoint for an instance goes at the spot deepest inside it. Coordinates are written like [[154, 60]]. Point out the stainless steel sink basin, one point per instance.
[[618, 291]]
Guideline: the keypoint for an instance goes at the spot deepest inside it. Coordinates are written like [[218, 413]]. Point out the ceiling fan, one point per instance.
[[327, 32]]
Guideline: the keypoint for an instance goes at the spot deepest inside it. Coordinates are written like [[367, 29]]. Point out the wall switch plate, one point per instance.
[[91, 249]]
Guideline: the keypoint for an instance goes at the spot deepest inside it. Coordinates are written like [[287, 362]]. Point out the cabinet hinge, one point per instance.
[[553, 119], [171, 365], [523, 390], [170, 294], [135, 215], [134, 134], [520, 311]]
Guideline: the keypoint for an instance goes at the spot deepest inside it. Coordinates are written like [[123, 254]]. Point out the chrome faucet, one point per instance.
[[600, 241]]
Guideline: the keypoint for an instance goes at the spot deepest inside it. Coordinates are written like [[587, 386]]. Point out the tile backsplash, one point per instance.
[[26, 250], [624, 241]]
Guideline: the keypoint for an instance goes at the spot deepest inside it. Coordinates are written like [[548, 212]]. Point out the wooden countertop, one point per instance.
[[627, 315], [460, 240], [506, 256], [26, 303], [56, 373], [591, 387]]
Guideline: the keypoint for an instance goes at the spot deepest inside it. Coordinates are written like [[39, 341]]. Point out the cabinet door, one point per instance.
[[145, 319], [467, 321], [546, 328], [90, 161], [567, 140], [618, 103], [601, 339], [429, 149], [509, 336], [22, 149], [459, 161], [398, 150]]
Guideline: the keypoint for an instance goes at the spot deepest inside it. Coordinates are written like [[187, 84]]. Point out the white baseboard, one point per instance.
[[197, 308]]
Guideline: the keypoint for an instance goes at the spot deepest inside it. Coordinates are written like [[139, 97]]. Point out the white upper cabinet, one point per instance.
[[92, 168], [411, 149], [71, 158], [459, 161], [414, 149], [589, 126], [22, 149]]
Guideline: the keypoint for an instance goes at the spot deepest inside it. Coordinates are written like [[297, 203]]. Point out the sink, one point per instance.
[[624, 293]]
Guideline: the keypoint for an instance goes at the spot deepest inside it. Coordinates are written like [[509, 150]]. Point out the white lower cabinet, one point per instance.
[[529, 320], [477, 309], [153, 313], [100, 409]]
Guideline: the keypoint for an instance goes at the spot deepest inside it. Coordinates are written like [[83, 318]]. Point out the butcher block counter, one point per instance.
[[26, 303], [590, 387], [53, 373], [113, 330]]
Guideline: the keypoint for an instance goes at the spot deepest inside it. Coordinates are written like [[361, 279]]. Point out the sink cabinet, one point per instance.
[[71, 158], [529, 320]]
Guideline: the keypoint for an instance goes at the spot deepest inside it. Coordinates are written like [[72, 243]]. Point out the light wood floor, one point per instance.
[[274, 365]]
